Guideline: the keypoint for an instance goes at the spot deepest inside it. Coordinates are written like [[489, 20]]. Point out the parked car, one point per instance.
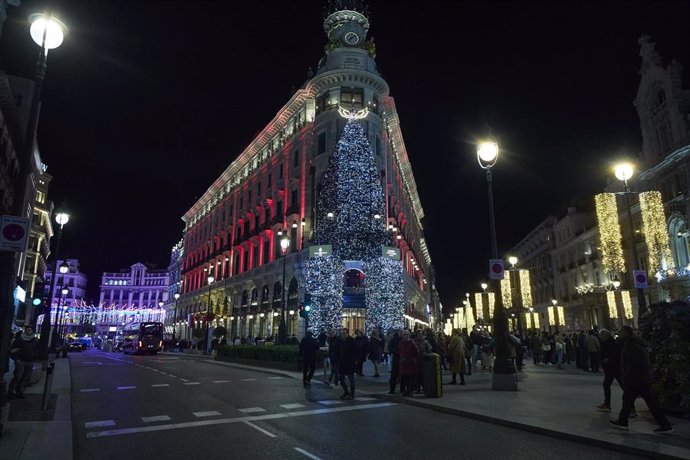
[[75, 346], [120, 346]]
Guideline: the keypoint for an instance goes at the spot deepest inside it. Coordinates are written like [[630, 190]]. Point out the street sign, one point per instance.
[[320, 250], [390, 252], [496, 269], [640, 279], [14, 233]]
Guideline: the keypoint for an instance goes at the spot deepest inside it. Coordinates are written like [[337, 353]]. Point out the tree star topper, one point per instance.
[[352, 114]]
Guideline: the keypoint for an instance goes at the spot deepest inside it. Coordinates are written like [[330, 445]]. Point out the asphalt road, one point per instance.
[[170, 407]]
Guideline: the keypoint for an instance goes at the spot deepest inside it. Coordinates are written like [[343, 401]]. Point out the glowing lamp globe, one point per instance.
[[487, 153], [513, 260], [52, 28], [61, 218], [624, 171], [65, 291], [284, 243], [210, 279], [177, 295], [64, 268], [160, 303]]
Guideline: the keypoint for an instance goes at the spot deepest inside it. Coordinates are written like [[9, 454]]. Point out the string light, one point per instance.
[[506, 293], [536, 320], [552, 316], [525, 288], [469, 317], [479, 305], [611, 302], [561, 315], [627, 304], [528, 320], [655, 232], [492, 303], [609, 232]]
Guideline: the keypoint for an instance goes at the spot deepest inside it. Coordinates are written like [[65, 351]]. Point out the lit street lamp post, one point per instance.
[[210, 280], [282, 328], [517, 294], [177, 296], [64, 268], [624, 171], [59, 322], [504, 376]]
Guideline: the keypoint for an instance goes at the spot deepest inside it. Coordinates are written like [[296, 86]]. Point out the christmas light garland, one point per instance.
[[479, 305], [525, 288], [655, 232], [609, 232], [627, 305], [506, 292], [611, 302]]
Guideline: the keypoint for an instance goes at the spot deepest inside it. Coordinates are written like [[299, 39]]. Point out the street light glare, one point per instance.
[[210, 279], [284, 243], [53, 28], [513, 260], [487, 151], [62, 218], [624, 171]]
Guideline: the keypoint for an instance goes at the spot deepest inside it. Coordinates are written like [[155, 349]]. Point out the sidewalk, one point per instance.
[[558, 403], [34, 435]]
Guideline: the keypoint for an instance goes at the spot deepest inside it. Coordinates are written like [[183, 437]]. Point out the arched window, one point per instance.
[[678, 231]]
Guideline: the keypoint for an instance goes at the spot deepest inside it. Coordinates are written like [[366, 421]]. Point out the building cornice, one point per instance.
[[670, 161]]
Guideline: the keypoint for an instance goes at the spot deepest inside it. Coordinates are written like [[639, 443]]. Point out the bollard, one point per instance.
[[47, 387]]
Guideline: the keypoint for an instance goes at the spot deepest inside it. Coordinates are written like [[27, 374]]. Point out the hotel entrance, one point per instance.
[[354, 318]]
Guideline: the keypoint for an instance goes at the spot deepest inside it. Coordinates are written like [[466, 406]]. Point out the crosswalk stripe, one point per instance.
[[221, 381], [247, 380], [251, 410], [129, 387], [274, 378], [329, 402], [155, 418], [365, 398], [208, 413], [158, 385], [192, 383], [89, 390], [292, 406], [99, 423]]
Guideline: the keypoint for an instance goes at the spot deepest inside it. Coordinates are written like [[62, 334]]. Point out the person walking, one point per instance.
[[456, 355], [394, 350], [593, 348], [582, 351], [535, 344], [348, 363], [408, 363], [468, 352], [569, 349], [362, 343], [23, 351], [443, 350], [308, 347], [375, 351], [636, 373], [424, 348], [476, 342], [559, 345], [334, 348], [611, 363]]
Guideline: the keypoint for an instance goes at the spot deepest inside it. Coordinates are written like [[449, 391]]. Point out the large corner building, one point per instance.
[[231, 232]]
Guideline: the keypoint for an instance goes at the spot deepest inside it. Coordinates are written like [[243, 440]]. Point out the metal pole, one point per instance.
[[518, 303], [641, 301], [174, 322], [282, 328], [503, 365], [53, 286], [56, 333], [47, 387], [208, 313]]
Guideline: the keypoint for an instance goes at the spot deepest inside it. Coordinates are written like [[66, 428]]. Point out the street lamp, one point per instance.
[[210, 280], [282, 328], [59, 322], [64, 268], [624, 171], [516, 294], [177, 296], [484, 286], [504, 375]]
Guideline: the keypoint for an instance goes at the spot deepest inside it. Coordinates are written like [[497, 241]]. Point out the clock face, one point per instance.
[[351, 38]]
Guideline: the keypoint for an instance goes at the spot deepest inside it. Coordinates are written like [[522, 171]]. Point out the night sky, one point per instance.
[[146, 103]]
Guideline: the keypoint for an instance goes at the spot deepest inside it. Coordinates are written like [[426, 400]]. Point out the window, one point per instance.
[[351, 97], [241, 204], [321, 143], [280, 170], [295, 159]]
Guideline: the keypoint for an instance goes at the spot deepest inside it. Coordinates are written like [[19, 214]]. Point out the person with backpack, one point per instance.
[[23, 350]]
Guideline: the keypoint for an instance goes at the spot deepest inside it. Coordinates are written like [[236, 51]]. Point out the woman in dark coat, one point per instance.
[[375, 351], [408, 363], [348, 363]]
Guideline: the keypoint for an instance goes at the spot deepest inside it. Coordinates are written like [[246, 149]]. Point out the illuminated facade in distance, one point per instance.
[[231, 232]]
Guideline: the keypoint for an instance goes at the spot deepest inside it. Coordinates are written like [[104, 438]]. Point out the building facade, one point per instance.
[[132, 295], [74, 280], [232, 232]]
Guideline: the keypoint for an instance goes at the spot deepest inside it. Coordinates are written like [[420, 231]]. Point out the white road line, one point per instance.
[[158, 385], [130, 387], [89, 390], [208, 413], [307, 454], [221, 381], [99, 423], [251, 410], [247, 380], [329, 402], [292, 406], [155, 370], [365, 398], [192, 383], [258, 428], [274, 378], [224, 421], [173, 376], [93, 362], [164, 373], [155, 418], [184, 380]]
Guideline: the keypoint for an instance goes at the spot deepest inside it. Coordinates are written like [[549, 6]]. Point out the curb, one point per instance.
[[531, 428]]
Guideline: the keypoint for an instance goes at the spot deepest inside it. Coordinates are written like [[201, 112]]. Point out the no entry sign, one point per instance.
[[14, 232], [496, 269]]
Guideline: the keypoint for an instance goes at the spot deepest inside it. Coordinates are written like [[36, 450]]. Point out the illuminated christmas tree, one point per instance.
[[350, 217]]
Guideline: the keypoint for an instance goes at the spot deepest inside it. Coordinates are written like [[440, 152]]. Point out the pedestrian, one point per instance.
[[535, 343], [637, 381], [23, 351], [488, 344], [468, 352], [569, 349], [348, 363], [593, 348], [394, 350], [408, 363], [456, 356], [386, 344], [375, 351], [362, 343], [424, 348], [443, 351], [559, 345], [582, 351], [308, 347], [334, 350], [476, 341], [611, 363]]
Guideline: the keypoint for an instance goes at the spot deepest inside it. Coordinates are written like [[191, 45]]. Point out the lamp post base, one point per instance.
[[504, 382]]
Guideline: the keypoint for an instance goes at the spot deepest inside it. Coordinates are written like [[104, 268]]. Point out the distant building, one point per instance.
[[74, 280], [175, 287]]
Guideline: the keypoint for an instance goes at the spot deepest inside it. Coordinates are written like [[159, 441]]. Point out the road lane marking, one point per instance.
[[130, 387], [251, 410], [258, 428], [329, 402], [292, 406], [307, 454], [155, 418], [192, 383], [274, 378], [158, 385], [224, 421], [365, 398], [208, 413], [247, 380], [221, 381], [184, 380], [88, 390], [93, 362], [173, 376], [99, 423]]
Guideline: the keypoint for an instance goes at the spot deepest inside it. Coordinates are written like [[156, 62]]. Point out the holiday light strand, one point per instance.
[[506, 292], [528, 320], [492, 303], [479, 305], [627, 304], [655, 232], [609, 232], [525, 288], [611, 302], [552, 317], [561, 315]]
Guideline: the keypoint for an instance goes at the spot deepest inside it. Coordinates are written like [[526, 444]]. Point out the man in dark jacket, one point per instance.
[[611, 363], [395, 361], [23, 352], [637, 381], [582, 351], [307, 352], [334, 345], [348, 363], [362, 342]]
